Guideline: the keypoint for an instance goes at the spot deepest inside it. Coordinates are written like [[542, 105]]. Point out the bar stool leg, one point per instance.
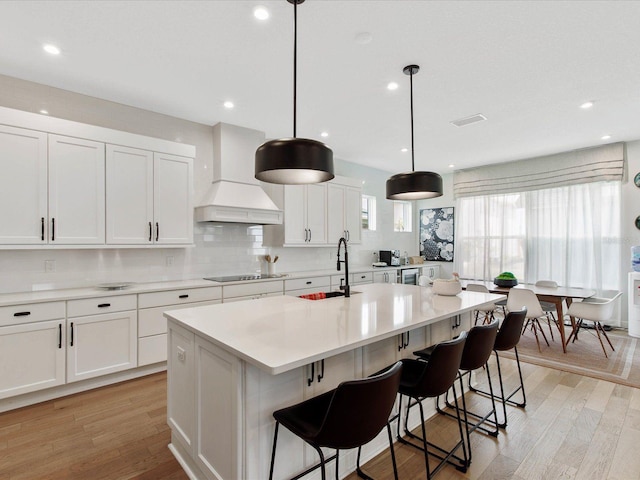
[[273, 452]]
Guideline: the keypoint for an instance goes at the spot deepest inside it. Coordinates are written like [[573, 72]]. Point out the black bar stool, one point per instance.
[[476, 353], [347, 417], [430, 379], [507, 338]]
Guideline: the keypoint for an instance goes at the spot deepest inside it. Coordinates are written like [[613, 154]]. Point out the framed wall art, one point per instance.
[[436, 234]]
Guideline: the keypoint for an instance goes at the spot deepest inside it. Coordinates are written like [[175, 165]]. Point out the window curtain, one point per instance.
[[569, 234]]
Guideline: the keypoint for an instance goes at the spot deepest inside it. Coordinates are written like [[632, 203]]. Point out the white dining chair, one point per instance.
[[487, 311], [597, 310], [522, 297], [424, 281], [549, 307]]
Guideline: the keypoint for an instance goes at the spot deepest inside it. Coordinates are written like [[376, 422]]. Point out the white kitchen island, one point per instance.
[[231, 365]]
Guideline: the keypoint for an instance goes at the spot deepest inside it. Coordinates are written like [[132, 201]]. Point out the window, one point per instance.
[[402, 214], [569, 234], [368, 212]]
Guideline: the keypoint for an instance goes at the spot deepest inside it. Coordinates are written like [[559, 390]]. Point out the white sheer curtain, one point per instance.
[[568, 234]]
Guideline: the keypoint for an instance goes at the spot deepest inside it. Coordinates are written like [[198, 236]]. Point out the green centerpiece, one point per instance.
[[506, 279]]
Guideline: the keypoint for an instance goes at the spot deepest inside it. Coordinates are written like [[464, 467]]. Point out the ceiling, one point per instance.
[[527, 66]]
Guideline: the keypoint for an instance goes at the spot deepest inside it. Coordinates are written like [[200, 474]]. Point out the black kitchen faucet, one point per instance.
[[345, 287]]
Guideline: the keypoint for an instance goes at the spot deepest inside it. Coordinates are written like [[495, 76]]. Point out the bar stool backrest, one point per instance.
[[509, 334], [359, 409], [478, 346], [442, 368]]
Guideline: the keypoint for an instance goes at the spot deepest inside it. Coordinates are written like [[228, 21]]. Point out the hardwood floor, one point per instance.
[[574, 427]]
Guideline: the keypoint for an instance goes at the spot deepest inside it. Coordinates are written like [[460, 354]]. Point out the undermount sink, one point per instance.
[[338, 294]]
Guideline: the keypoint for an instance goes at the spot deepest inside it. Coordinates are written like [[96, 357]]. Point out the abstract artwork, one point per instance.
[[436, 234]]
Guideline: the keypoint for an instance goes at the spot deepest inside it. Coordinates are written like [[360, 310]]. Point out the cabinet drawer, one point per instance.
[[363, 277], [151, 321], [249, 289], [177, 297], [94, 306], [35, 312], [307, 283], [152, 349]]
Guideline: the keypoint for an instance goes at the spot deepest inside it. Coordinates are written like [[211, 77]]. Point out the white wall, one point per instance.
[[220, 249]]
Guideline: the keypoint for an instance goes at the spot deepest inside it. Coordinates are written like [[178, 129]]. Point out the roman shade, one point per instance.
[[597, 164]]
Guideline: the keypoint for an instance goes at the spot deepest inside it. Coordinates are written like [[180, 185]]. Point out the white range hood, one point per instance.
[[235, 195]]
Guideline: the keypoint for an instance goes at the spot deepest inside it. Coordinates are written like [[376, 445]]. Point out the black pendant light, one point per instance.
[[413, 185], [293, 161]]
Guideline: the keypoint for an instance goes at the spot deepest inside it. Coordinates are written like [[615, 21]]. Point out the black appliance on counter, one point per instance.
[[390, 257]]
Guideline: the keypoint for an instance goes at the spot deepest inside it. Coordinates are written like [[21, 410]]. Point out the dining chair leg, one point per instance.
[[597, 327], [550, 330], [604, 332], [273, 452]]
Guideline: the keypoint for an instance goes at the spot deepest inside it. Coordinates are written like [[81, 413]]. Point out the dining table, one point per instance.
[[555, 295]]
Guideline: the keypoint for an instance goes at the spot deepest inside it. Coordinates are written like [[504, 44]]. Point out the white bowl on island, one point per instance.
[[447, 287]]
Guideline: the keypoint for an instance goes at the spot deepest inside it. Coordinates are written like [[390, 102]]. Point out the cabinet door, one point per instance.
[[411, 341], [32, 357], [317, 214], [76, 191], [172, 192], [335, 213], [353, 214], [295, 226], [441, 331], [101, 344], [129, 196], [23, 186]]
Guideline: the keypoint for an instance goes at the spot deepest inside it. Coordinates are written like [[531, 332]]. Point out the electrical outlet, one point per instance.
[[169, 261], [49, 265], [181, 354]]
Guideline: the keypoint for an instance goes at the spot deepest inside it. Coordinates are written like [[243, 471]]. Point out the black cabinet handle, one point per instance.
[[157, 231], [150, 231], [59, 335], [309, 234], [53, 229], [309, 282], [321, 371], [104, 305], [406, 344], [183, 296], [72, 334], [42, 229], [313, 370], [21, 314]]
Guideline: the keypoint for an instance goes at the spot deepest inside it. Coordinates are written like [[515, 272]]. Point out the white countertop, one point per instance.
[[51, 295], [278, 334]]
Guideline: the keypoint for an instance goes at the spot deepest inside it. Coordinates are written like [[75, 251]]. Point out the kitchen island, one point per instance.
[[231, 365]]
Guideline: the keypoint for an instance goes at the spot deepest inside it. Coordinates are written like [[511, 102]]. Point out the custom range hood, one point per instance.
[[236, 196]]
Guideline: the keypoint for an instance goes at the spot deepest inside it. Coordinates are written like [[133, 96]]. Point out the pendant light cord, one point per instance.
[[295, 62], [413, 166]]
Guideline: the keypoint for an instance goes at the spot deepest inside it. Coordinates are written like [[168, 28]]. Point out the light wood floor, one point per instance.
[[573, 427]]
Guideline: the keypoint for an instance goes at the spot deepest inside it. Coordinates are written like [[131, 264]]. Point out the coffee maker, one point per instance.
[[390, 257]]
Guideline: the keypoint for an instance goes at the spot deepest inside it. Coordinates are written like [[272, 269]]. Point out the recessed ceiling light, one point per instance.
[[404, 150], [324, 134], [44, 112], [228, 105], [52, 49], [586, 105], [605, 137], [392, 86], [451, 165], [261, 12]]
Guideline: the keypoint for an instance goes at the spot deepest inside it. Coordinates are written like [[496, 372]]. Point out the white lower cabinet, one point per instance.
[[252, 291], [32, 354], [303, 286], [389, 276], [101, 343], [152, 326], [450, 328]]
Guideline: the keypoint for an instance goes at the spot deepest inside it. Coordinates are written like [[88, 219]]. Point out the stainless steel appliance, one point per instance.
[[409, 276], [390, 257]]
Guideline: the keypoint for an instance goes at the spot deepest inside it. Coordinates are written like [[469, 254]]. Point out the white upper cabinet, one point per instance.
[[172, 205], [76, 191], [148, 198], [305, 214], [67, 184], [23, 186], [129, 195], [343, 212]]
